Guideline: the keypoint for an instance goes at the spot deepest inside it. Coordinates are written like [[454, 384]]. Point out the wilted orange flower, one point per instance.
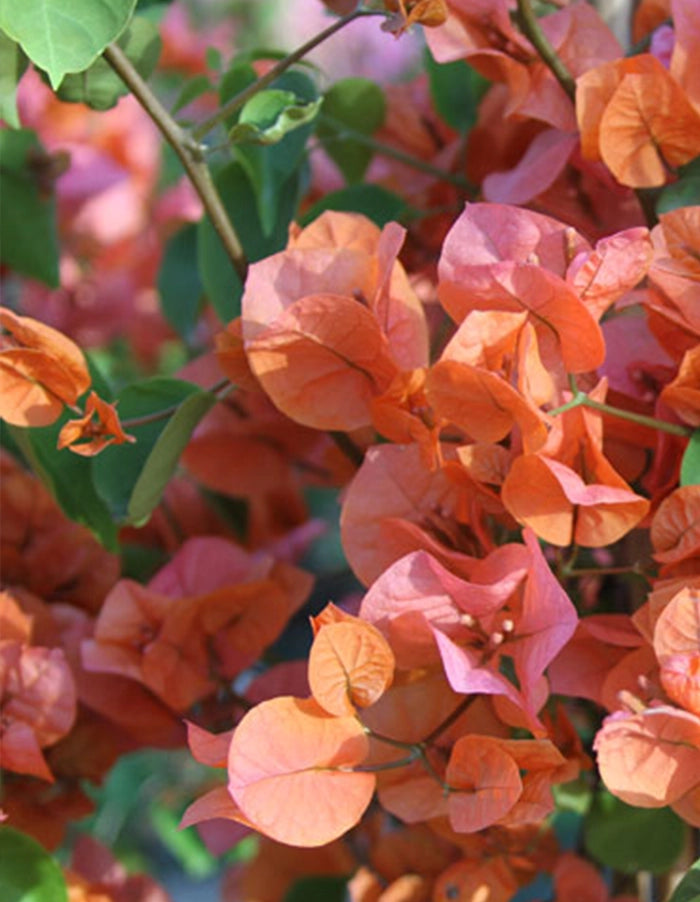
[[430, 13], [96, 430]]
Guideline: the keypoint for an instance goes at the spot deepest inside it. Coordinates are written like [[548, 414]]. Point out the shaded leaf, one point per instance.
[[632, 839], [28, 240], [359, 104]]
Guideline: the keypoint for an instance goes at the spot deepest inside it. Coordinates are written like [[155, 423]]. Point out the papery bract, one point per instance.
[[350, 666], [290, 771], [41, 370]]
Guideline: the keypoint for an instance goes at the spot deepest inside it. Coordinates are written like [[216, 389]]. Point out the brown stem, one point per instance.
[[189, 152]]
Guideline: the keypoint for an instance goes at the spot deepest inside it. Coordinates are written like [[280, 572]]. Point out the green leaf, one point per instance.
[[131, 478], [68, 477], [99, 86], [12, 65], [377, 203], [270, 115], [632, 839], [456, 90], [270, 167], [28, 242], [318, 889], [179, 284], [359, 104], [688, 890], [163, 459], [61, 36], [27, 872], [690, 465]]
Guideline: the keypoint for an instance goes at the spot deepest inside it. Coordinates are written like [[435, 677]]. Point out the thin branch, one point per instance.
[[243, 96], [166, 412], [581, 399], [188, 150], [386, 150], [530, 27]]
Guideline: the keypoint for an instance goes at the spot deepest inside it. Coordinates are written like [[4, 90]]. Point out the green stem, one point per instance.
[[386, 150], [530, 27], [157, 415], [345, 444], [581, 399], [189, 152], [412, 747], [243, 96], [387, 765]]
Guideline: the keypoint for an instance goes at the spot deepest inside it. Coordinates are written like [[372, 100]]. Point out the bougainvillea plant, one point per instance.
[[351, 445]]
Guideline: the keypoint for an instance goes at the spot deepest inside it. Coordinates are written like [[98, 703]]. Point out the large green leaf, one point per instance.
[[688, 890], [632, 839], [99, 86], [131, 478], [62, 36], [27, 872], [12, 64], [358, 104], [68, 477], [28, 241]]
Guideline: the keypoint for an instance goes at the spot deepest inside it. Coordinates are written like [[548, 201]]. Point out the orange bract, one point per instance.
[[637, 119], [290, 771], [41, 370], [93, 432], [350, 664]]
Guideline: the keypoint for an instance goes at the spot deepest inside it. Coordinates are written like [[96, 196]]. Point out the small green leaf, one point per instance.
[[236, 79], [270, 115], [61, 36], [318, 889], [119, 470], [688, 890], [28, 241], [163, 459], [99, 87], [690, 465], [377, 203], [12, 65], [358, 104], [456, 90], [633, 839], [179, 284], [27, 872]]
